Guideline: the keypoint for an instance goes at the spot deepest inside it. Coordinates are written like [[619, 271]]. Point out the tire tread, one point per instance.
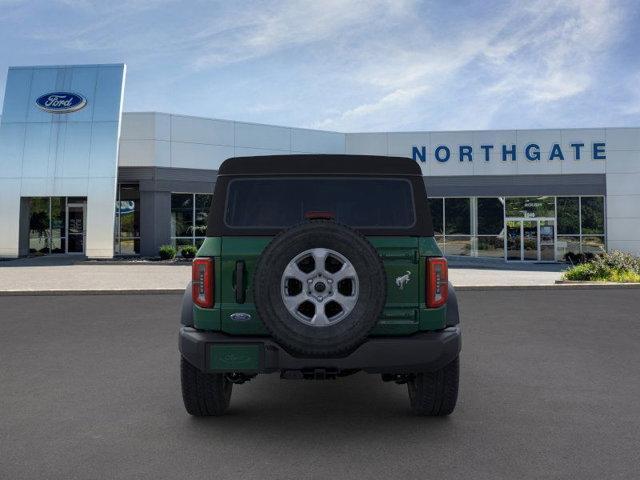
[[435, 394], [204, 394]]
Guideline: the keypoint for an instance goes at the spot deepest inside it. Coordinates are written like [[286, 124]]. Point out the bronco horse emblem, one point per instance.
[[402, 280]]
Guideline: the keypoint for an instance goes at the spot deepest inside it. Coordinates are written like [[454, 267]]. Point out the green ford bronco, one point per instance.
[[319, 266]]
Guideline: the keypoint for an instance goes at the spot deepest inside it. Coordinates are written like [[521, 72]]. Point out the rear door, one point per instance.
[[400, 258], [383, 204]]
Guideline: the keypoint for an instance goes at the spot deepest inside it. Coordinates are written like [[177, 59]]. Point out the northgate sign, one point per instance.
[[531, 152]]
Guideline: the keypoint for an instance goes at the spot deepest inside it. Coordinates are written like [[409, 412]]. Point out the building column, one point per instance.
[[155, 221], [25, 218]]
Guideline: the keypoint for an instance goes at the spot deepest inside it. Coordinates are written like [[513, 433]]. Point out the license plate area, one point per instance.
[[244, 357]]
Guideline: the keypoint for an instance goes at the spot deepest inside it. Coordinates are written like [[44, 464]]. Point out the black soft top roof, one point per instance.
[[320, 164], [326, 165]]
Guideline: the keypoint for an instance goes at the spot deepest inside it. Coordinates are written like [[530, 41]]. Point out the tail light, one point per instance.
[[437, 282], [202, 287]]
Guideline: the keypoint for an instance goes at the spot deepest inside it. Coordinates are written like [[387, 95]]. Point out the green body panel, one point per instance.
[[211, 247], [403, 314]]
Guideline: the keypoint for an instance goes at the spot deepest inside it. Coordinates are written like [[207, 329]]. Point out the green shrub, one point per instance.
[[579, 272], [624, 277], [167, 252], [188, 251], [615, 266], [617, 260], [576, 258]]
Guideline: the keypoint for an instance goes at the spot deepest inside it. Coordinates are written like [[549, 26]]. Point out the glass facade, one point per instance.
[[534, 228], [127, 226], [516, 228], [490, 227], [56, 225], [189, 213], [581, 223]]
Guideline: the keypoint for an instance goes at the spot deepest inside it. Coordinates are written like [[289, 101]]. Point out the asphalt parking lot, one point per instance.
[[89, 388]]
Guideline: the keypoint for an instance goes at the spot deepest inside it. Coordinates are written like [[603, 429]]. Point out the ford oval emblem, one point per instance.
[[240, 317], [61, 102]]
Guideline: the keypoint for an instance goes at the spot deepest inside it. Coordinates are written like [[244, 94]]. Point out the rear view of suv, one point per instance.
[[320, 266]]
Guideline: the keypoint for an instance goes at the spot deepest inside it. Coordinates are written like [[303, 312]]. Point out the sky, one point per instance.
[[351, 65]]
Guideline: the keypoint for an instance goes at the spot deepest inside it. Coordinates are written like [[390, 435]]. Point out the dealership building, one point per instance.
[[80, 176]]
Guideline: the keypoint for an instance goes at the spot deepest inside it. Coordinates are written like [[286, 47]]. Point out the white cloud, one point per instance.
[[352, 64], [283, 25], [550, 57], [538, 54], [398, 98]]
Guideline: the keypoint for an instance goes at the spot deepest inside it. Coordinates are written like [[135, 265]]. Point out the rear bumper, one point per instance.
[[425, 351]]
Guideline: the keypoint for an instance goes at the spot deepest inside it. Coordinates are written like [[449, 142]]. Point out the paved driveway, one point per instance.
[[550, 386]]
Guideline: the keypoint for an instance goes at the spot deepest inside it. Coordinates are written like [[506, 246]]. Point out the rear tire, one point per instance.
[[204, 394], [434, 394]]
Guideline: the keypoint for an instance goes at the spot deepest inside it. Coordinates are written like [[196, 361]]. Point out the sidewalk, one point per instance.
[[63, 274], [68, 274], [477, 272]]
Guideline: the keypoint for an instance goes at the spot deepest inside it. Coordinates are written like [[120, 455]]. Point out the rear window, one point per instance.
[[282, 202]]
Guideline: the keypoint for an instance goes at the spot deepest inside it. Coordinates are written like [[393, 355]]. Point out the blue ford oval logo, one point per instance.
[[61, 102]]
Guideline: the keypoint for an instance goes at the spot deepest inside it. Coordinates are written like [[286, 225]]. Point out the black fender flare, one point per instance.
[[186, 316], [453, 315]]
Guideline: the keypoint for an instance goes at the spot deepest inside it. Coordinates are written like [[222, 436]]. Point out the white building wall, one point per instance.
[[623, 189], [178, 141]]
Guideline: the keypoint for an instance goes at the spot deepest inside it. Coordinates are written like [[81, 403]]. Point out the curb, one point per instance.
[[183, 263], [38, 293]]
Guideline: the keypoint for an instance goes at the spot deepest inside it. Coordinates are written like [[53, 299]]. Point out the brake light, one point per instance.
[[202, 285], [437, 282], [318, 215]]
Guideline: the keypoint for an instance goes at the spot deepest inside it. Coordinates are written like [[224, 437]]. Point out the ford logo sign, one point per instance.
[[61, 102]]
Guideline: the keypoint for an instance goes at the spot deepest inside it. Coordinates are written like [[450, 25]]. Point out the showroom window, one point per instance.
[[457, 226], [490, 238], [568, 225], [451, 219], [57, 225], [436, 205], [127, 226], [581, 223], [592, 220], [530, 207], [189, 213], [47, 225], [474, 226]]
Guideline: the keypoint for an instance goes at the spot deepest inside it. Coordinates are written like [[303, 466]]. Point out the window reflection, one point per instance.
[[436, 205], [568, 215], [579, 221], [530, 207], [490, 216], [189, 212], [592, 214], [457, 216], [127, 220]]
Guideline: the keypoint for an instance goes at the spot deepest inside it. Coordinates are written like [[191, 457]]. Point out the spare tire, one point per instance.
[[319, 287]]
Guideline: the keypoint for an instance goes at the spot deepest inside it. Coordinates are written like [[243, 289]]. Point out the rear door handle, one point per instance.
[[240, 289]]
